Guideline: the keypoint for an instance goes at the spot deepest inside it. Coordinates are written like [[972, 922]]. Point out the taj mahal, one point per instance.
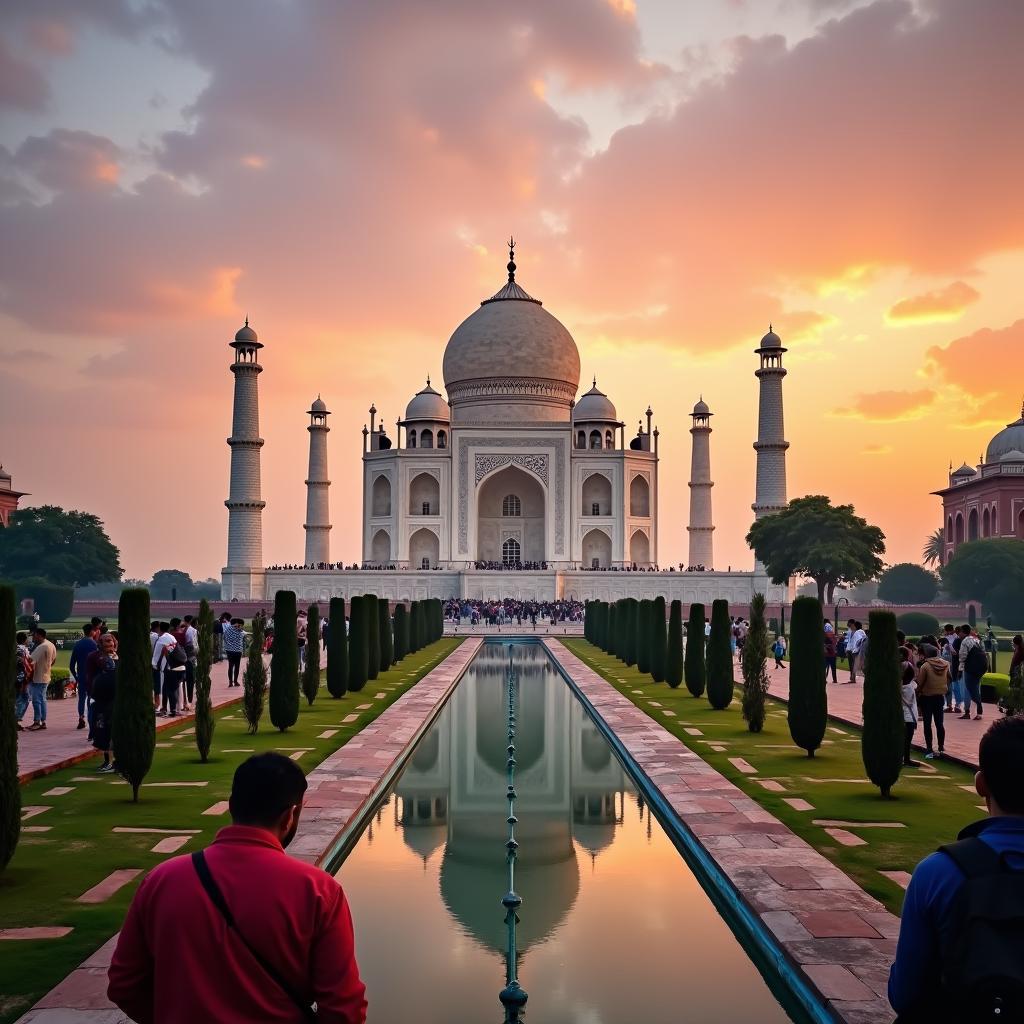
[[511, 486]]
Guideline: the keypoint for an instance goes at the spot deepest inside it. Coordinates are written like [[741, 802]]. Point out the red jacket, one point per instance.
[[177, 962]]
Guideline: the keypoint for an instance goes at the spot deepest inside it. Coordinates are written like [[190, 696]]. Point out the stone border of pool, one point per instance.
[[838, 938], [339, 790]]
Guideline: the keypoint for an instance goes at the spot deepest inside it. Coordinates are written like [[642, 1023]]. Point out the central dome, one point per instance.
[[1009, 439], [509, 353]]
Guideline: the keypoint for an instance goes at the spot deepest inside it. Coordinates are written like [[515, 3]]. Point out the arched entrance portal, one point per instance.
[[511, 507], [597, 550]]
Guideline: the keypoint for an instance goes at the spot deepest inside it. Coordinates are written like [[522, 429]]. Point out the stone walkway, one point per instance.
[[845, 700], [62, 744], [842, 939], [338, 789]]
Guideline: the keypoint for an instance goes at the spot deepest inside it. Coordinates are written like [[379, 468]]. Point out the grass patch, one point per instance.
[[929, 804], [50, 870]]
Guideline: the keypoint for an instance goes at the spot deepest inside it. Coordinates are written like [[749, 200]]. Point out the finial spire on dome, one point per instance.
[[511, 260], [428, 380], [246, 319], [595, 380]]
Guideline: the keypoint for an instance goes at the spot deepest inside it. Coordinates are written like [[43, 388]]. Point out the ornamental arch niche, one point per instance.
[[424, 495], [597, 494], [959, 529], [381, 549], [597, 550], [985, 523], [424, 549], [640, 549], [511, 490], [639, 497], [972, 524], [381, 496]]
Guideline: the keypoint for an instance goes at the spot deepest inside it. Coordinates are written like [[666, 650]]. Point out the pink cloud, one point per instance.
[[888, 406], [941, 304]]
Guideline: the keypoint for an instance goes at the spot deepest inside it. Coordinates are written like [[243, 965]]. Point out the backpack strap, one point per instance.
[[974, 857]]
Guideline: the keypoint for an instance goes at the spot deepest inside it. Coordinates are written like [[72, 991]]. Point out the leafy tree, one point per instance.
[[284, 663], [134, 729], [387, 640], [358, 644], [400, 631], [642, 632], [373, 635], [935, 548], [658, 640], [1005, 603], [54, 602], [906, 583], [205, 722], [167, 584], [337, 649], [694, 669], [10, 790], [918, 624], [254, 681], [972, 616], [977, 568], [719, 657], [70, 548], [808, 703], [674, 650], [881, 741], [311, 672], [811, 537], [755, 656]]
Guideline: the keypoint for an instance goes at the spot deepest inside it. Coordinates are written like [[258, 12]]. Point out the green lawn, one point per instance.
[[51, 869], [928, 803]]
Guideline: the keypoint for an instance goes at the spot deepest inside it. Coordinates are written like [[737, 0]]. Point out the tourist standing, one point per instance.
[[908, 697], [855, 637], [779, 650], [84, 646], [192, 650], [234, 645], [218, 635], [278, 930], [831, 652], [104, 686], [43, 655], [932, 684], [22, 679], [169, 659], [973, 665], [301, 630]]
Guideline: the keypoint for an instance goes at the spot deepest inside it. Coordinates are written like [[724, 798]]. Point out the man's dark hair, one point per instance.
[[188, 619], [1000, 755], [263, 788], [164, 627], [154, 626], [87, 628], [851, 622], [39, 631], [238, 622], [948, 626], [964, 630], [175, 623], [20, 638], [859, 625], [96, 621]]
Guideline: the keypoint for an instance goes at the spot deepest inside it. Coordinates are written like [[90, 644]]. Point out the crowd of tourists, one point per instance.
[[511, 611]]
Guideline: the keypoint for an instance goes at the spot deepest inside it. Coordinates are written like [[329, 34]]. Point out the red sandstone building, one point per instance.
[[8, 497], [987, 501]]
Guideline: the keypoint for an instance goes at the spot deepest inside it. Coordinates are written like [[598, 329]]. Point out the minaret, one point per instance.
[[318, 510], [771, 445], [701, 528], [245, 507]]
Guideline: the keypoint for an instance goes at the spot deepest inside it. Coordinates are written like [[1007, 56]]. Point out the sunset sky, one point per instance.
[[677, 175]]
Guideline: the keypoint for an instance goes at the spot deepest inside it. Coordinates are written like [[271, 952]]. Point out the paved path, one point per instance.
[[845, 700], [62, 744]]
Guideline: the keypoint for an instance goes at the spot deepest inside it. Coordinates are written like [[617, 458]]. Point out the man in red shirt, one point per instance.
[[290, 942]]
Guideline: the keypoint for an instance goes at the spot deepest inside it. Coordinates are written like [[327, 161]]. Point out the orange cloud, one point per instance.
[[876, 449], [888, 406], [947, 303]]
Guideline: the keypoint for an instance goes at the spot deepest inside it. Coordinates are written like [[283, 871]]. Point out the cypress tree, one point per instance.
[[659, 652], [881, 740], [436, 620], [588, 625], [311, 673], [387, 640], [632, 614], [755, 657], [205, 721], [134, 728], [337, 649], [10, 791], [602, 625], [719, 657], [284, 663], [610, 634], [400, 632], [808, 703], [254, 681], [358, 644], [414, 625], [674, 651], [642, 630], [373, 627], [694, 669]]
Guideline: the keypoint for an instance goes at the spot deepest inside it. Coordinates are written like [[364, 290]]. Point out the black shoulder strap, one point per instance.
[[974, 857], [217, 899]]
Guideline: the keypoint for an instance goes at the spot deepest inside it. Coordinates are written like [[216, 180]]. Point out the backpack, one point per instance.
[[175, 657], [976, 663], [983, 969]]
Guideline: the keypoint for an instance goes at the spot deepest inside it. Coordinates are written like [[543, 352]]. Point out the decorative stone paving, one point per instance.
[[858, 824], [51, 932], [740, 765], [59, 790], [31, 811], [171, 844], [327, 734], [730, 826], [798, 803], [901, 878], [220, 807], [844, 838], [771, 785], [104, 890], [158, 831]]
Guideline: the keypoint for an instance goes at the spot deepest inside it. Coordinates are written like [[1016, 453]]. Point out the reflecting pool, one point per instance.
[[614, 928]]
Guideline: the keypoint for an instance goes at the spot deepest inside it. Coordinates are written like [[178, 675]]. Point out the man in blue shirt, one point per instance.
[[85, 645], [929, 920]]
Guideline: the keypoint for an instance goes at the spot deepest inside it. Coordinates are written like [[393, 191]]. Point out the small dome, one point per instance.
[[428, 405], [246, 333], [1009, 439], [964, 471], [594, 406], [771, 339], [319, 405], [1013, 455], [701, 408]]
